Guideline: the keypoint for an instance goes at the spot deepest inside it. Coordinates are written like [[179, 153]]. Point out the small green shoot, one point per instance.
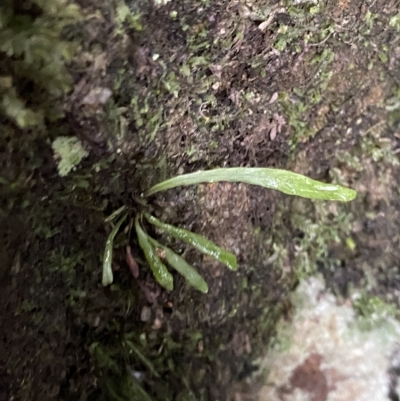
[[161, 273], [115, 214], [199, 242], [108, 253], [182, 267]]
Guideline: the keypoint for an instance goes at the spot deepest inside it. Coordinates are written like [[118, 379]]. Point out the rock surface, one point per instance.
[[326, 354]]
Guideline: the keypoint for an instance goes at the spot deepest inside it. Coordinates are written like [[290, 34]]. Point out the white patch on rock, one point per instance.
[[325, 355], [97, 96], [161, 2]]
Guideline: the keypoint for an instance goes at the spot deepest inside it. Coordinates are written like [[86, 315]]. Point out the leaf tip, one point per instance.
[[204, 289], [107, 280], [347, 194], [233, 263], [352, 194]]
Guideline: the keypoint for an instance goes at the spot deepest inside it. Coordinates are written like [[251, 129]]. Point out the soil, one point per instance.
[[310, 87]]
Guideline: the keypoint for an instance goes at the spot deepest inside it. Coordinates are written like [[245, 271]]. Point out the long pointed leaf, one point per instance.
[[281, 180], [198, 241], [183, 267], [108, 253], [160, 271], [115, 214], [144, 360]]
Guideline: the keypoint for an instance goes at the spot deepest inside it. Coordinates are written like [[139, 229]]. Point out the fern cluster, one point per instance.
[[155, 253]]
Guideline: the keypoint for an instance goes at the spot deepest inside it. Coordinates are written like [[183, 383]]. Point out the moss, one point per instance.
[[34, 54], [395, 22], [373, 312], [126, 18], [68, 152]]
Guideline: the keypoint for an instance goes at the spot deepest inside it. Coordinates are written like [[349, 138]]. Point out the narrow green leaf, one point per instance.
[[281, 180], [144, 360], [116, 213], [108, 253], [198, 241], [183, 267], [162, 275], [139, 391]]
